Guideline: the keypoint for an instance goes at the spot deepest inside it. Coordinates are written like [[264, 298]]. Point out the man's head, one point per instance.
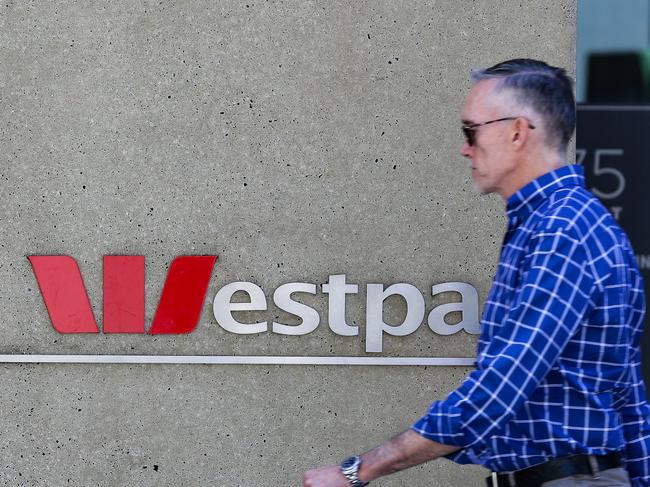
[[537, 105]]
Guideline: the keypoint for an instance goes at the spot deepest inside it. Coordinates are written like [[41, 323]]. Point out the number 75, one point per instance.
[[600, 169]]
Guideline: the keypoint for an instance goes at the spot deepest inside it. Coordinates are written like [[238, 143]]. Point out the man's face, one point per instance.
[[491, 158]]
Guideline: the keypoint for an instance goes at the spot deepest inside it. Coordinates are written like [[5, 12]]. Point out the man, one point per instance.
[[557, 397]]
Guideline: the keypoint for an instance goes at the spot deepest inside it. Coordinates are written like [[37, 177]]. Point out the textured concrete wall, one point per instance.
[[294, 140]]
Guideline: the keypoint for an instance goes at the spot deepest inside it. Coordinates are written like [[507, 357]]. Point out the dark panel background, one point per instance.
[[612, 143]]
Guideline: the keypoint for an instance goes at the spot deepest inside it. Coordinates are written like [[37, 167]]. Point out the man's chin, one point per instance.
[[480, 189]]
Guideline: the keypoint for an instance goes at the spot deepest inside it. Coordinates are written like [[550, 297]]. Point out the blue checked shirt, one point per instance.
[[558, 362]]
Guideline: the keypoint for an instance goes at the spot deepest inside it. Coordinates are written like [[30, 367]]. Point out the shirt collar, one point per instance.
[[523, 202]]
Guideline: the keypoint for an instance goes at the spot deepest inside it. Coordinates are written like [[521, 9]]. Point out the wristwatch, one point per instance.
[[350, 468]]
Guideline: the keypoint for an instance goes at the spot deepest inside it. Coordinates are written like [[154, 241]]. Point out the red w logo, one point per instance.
[[66, 298]]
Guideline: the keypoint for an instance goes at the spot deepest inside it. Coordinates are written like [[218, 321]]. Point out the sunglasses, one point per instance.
[[469, 130]]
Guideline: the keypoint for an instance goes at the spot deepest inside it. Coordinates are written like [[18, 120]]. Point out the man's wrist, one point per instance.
[[365, 472], [350, 469]]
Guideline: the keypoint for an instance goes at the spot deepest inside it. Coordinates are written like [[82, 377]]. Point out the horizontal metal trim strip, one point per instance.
[[613, 108], [231, 360]]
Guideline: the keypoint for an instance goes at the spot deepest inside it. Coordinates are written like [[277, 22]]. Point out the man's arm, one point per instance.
[[400, 452], [549, 306]]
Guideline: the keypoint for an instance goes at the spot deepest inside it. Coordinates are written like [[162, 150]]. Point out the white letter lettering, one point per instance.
[[222, 307], [337, 289], [375, 325], [309, 316], [468, 306]]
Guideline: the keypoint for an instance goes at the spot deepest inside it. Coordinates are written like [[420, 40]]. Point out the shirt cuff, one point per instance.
[[442, 424]]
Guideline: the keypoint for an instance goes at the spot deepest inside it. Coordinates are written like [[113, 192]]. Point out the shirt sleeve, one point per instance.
[[550, 302], [633, 408]]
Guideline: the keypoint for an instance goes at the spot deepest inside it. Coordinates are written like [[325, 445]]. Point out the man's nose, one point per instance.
[[466, 149]]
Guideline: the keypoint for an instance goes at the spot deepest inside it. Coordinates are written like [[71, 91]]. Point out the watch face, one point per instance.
[[348, 463]]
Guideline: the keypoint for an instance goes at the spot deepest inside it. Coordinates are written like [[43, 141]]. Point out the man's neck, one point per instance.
[[531, 168]]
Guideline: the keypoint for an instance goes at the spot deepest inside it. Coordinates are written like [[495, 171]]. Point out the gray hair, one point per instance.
[[547, 90]]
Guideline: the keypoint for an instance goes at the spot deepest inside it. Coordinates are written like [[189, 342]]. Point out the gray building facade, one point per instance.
[[295, 141]]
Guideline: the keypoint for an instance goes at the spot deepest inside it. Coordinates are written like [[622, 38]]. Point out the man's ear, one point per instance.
[[520, 131]]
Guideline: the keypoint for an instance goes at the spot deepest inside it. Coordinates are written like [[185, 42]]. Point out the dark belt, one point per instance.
[[556, 469]]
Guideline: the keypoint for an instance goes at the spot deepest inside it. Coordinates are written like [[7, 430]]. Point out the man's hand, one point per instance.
[[329, 476]]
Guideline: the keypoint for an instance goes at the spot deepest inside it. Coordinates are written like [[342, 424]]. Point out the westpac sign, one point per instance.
[[184, 291]]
